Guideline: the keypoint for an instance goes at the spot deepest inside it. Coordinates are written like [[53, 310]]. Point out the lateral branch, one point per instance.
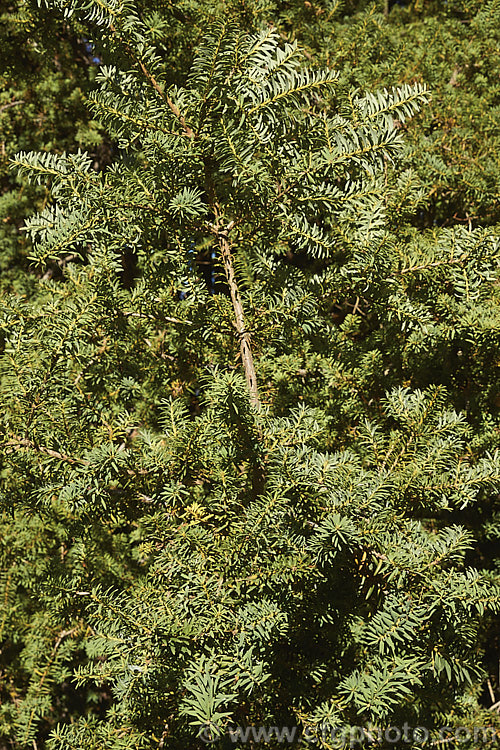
[[243, 333]]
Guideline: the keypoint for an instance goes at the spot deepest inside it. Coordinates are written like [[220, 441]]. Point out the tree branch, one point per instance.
[[11, 104], [189, 132], [154, 83], [25, 443], [243, 333]]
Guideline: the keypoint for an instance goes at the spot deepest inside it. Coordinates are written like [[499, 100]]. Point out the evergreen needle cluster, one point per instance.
[[249, 455]]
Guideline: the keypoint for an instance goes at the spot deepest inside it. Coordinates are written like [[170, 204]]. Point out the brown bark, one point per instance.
[[243, 333], [188, 131], [154, 83]]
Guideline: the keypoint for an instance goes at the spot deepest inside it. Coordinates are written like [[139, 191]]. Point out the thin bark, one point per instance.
[[243, 333], [189, 132], [26, 443], [11, 104], [154, 83], [19, 442]]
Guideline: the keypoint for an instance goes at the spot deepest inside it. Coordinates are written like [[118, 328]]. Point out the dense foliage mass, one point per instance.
[[249, 369]]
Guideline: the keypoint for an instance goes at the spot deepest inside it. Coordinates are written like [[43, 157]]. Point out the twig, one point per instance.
[[189, 132], [18, 442], [155, 318], [443, 741], [243, 333], [25, 443], [11, 104], [490, 690]]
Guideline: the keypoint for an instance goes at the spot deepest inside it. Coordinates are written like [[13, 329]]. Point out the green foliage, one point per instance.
[[452, 48], [45, 73], [179, 558]]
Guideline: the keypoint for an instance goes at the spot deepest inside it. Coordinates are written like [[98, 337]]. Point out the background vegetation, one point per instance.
[[181, 552]]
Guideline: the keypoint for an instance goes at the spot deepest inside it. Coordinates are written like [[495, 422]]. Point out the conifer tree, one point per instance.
[[234, 510]]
